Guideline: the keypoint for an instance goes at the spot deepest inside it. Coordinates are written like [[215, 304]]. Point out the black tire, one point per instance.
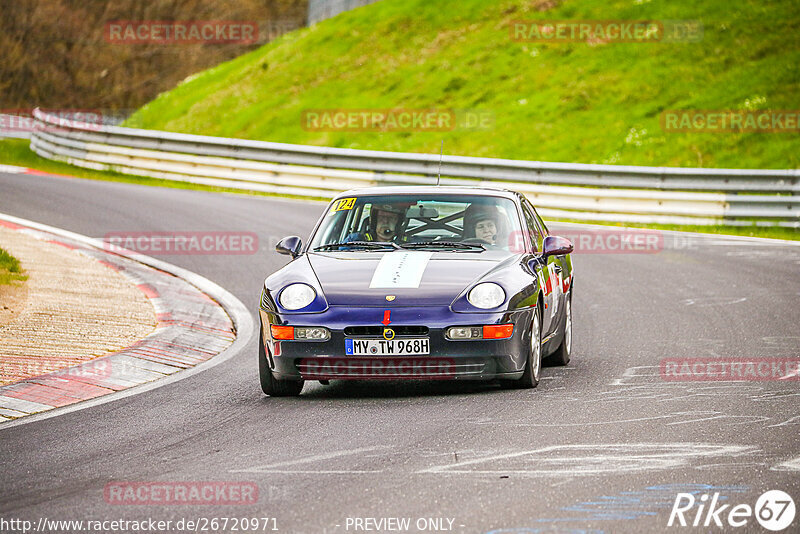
[[533, 364], [561, 356], [269, 384]]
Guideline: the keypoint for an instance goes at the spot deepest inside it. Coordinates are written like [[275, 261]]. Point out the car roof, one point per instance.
[[430, 190]]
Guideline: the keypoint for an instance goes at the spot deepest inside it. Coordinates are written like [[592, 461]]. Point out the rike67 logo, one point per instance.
[[774, 510]]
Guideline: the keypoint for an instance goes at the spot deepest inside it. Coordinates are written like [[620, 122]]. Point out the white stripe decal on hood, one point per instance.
[[400, 269]]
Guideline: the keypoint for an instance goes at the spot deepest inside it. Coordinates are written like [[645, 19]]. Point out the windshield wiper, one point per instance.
[[373, 245], [445, 244]]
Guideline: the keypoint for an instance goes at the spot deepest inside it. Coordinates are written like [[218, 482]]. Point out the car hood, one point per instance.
[[414, 278]]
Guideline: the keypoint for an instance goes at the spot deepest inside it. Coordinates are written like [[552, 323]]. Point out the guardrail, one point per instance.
[[665, 195], [9, 127]]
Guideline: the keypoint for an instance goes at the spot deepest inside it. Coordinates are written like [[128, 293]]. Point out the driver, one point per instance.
[[384, 224], [482, 222], [486, 229]]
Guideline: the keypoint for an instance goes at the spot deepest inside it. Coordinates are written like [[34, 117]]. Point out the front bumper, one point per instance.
[[448, 360]]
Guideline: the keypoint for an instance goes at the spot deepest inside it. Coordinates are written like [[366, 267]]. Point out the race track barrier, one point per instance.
[[664, 195]]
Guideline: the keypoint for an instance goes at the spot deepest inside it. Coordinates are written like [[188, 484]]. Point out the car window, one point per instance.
[[532, 227], [487, 220], [545, 232]]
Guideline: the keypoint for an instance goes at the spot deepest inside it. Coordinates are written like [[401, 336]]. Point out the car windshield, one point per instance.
[[462, 223]]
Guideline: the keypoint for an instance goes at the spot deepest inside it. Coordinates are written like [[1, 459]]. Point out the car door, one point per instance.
[[561, 267], [547, 272]]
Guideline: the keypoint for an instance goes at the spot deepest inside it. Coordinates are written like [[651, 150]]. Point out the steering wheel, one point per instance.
[[476, 240]]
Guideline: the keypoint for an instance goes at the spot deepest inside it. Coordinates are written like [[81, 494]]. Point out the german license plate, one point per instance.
[[383, 347]]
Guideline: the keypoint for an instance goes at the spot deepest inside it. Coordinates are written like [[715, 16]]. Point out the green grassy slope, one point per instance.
[[573, 102]]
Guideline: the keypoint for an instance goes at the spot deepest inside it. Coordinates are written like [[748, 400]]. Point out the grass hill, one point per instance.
[[555, 101]]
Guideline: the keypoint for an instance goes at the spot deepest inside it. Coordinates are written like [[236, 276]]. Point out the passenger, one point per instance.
[[482, 222], [486, 230]]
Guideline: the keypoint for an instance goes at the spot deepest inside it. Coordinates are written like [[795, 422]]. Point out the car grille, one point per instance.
[[378, 330], [310, 367]]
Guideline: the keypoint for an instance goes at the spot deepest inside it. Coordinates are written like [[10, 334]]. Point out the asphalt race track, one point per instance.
[[604, 445]]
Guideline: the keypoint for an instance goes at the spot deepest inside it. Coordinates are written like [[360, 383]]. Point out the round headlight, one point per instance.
[[486, 295], [297, 296]]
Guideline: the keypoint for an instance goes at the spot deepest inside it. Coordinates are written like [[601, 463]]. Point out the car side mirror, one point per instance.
[[557, 246], [290, 246]]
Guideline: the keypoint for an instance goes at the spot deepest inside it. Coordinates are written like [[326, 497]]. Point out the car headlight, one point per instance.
[[486, 295], [297, 296]]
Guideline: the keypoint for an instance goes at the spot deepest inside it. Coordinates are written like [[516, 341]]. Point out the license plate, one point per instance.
[[383, 347]]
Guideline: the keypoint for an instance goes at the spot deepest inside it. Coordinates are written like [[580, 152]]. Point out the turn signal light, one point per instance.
[[282, 332], [498, 331], [495, 331], [306, 333]]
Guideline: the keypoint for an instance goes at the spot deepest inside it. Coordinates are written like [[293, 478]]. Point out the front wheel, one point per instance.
[[269, 384], [533, 365]]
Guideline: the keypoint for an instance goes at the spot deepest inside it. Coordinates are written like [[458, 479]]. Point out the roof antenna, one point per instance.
[[439, 174]]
